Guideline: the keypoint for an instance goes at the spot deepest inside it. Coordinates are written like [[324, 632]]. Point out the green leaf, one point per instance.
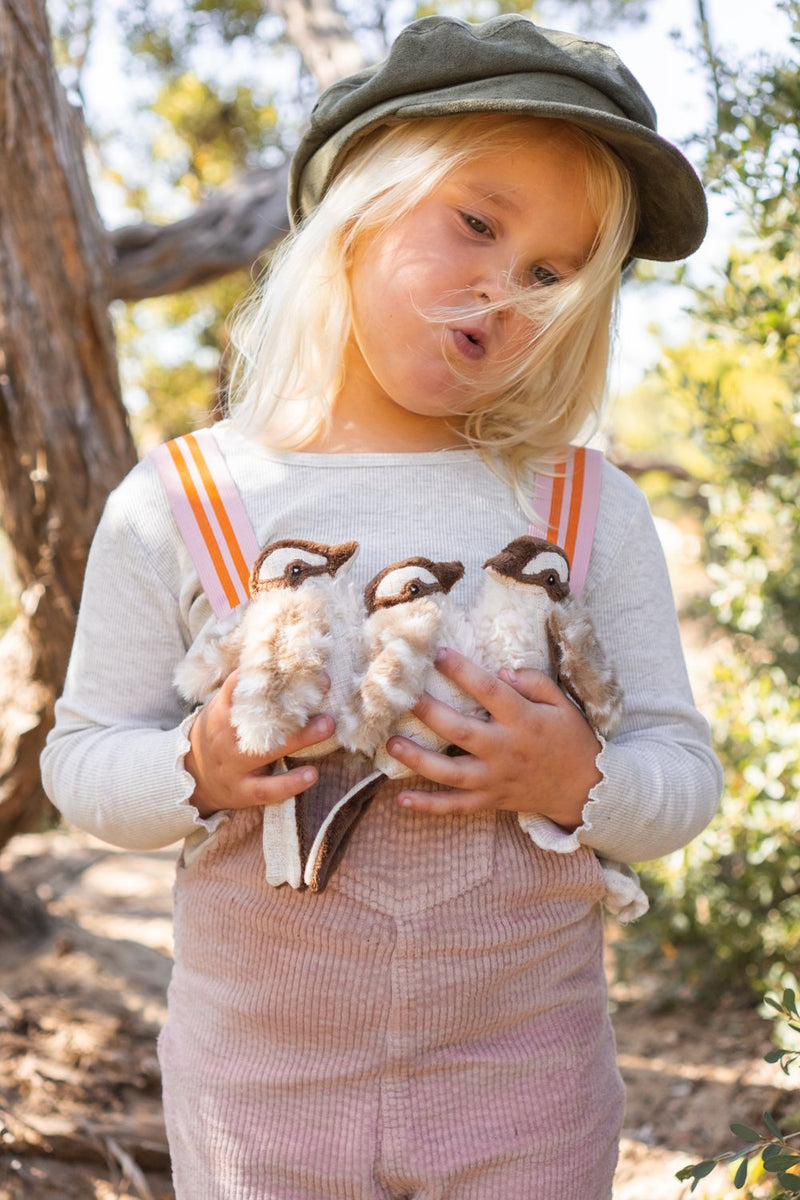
[[789, 1000], [780, 1162], [772, 1127], [740, 1178], [745, 1133], [790, 1183], [774, 1056], [697, 1171]]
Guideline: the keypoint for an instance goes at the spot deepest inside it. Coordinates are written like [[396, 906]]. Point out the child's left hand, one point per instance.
[[535, 753]]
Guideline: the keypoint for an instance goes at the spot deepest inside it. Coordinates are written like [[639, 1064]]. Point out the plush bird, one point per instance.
[[409, 615], [301, 624], [524, 616]]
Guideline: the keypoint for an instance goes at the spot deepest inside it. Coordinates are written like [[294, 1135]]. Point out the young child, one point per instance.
[[433, 1023]]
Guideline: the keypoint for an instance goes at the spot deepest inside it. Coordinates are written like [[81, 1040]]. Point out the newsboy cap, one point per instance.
[[442, 67]]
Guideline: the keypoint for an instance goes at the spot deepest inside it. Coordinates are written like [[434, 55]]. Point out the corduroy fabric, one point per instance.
[[433, 1025]]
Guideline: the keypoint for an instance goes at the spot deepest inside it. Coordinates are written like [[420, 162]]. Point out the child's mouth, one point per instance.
[[468, 344]]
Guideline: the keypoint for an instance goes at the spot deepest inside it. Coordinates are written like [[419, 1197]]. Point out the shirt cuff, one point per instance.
[[206, 828]]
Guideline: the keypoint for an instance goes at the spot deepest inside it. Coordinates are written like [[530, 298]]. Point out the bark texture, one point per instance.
[[64, 438], [225, 233]]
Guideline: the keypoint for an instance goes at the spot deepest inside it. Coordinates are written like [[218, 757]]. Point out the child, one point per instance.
[[433, 1023]]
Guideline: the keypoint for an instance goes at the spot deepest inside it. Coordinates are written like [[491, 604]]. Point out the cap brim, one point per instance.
[[673, 211]]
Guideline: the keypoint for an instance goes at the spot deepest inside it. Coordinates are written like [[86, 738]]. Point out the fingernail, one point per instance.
[[319, 724], [308, 775], [404, 801], [509, 674], [442, 654]]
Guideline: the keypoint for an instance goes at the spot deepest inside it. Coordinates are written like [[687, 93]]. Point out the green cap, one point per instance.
[[443, 67]]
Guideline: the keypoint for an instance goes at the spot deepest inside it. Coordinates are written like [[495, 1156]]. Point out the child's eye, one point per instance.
[[475, 223], [543, 277]]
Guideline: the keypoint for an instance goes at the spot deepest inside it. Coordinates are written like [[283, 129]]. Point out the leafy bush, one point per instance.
[[726, 911], [775, 1150]]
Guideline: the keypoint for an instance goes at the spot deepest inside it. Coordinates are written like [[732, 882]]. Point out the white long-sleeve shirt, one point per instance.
[[113, 763]]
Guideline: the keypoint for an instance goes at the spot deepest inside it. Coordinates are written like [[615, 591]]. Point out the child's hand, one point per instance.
[[225, 777], [535, 753]]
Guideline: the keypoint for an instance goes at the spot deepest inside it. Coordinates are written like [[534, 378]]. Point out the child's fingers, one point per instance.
[[452, 771], [318, 729], [533, 685], [280, 785], [464, 730], [496, 693], [442, 804]]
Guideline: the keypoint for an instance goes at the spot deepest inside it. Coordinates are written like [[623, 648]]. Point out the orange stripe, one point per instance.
[[204, 525], [556, 501], [210, 485], [576, 499]]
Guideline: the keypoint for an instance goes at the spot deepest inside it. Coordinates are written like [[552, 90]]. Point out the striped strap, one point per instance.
[[220, 539], [210, 516], [566, 503]]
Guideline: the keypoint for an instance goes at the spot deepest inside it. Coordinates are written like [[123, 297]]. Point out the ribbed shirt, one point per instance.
[[114, 762]]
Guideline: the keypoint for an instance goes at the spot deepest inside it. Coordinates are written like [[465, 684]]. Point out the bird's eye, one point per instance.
[[413, 589], [295, 570], [551, 578]]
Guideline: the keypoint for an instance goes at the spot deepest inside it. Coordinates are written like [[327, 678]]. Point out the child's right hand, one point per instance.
[[226, 777]]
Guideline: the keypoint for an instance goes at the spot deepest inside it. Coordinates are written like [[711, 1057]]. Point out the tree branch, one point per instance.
[[226, 233]]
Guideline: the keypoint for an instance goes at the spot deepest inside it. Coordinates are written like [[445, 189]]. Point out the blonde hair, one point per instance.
[[289, 337]]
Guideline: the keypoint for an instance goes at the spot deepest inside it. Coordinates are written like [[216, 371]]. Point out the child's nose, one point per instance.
[[494, 286]]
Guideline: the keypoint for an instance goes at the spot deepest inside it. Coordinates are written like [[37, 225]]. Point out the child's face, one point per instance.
[[522, 217]]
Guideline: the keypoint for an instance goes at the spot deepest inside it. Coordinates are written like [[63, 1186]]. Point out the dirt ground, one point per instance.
[[82, 998]]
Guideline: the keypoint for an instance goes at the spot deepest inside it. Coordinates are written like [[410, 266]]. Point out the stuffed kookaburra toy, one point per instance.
[[524, 616], [301, 624], [409, 615]]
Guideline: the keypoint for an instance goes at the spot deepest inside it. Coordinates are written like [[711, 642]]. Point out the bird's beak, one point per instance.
[[449, 573], [339, 555]]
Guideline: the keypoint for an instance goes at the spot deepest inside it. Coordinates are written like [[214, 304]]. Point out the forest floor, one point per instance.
[[82, 997]]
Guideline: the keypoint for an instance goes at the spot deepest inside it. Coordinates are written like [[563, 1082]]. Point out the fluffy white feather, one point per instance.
[[285, 643], [402, 632], [211, 658]]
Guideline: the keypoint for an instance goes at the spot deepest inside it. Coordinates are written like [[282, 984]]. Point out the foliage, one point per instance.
[[775, 1151], [727, 908], [171, 350]]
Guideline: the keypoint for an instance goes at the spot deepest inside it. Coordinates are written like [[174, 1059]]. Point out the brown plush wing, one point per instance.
[[581, 667]]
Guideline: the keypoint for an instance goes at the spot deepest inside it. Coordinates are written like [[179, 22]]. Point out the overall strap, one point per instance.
[[566, 502], [210, 515]]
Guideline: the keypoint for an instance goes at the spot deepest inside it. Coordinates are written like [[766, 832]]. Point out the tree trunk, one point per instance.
[[64, 437]]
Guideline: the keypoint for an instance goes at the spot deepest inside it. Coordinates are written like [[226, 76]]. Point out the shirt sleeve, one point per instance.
[[114, 761], [661, 780]]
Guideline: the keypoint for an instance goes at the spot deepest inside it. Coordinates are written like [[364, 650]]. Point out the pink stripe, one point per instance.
[[587, 518], [187, 522], [241, 527], [592, 480]]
